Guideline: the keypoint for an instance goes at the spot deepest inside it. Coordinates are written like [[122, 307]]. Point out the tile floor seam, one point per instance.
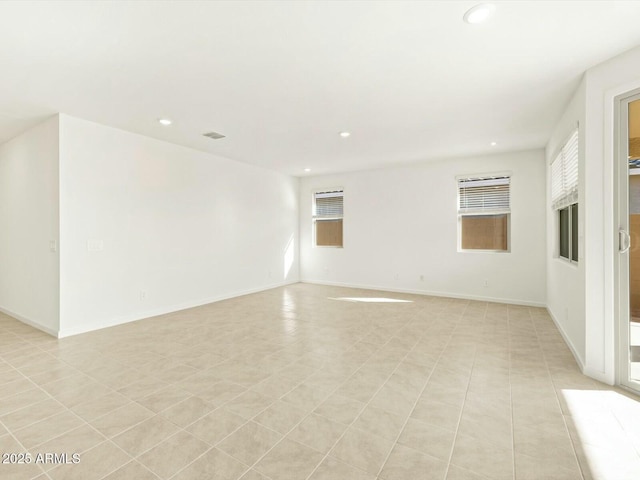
[[25, 450], [332, 392], [31, 350], [513, 433], [83, 422], [245, 423], [464, 401], [365, 407], [559, 404]]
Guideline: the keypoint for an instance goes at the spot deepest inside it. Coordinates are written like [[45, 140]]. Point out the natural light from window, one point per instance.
[[371, 299], [289, 256], [608, 424]]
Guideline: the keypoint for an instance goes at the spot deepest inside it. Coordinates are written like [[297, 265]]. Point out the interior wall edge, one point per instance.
[[165, 310], [579, 360], [30, 322]]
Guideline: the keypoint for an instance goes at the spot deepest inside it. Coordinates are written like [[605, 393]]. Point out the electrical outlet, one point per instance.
[[422, 278], [485, 283], [143, 295]]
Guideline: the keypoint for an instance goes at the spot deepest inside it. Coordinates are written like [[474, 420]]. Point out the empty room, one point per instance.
[[319, 240]]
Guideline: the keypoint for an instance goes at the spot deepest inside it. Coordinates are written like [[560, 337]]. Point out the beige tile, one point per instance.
[[529, 468], [188, 411], [101, 460], [170, 456], [317, 432], [429, 439], [18, 385], [221, 392], [443, 415], [305, 398], [163, 399], [289, 460], [341, 409], [249, 404], [31, 414], [177, 373], [457, 473], [407, 464], [213, 465], [121, 419], [380, 422], [16, 471], [484, 458], [21, 400], [130, 471], [44, 430], [542, 444], [249, 442], [142, 388], [499, 374], [145, 435], [275, 386], [333, 469], [78, 440], [101, 406], [362, 450], [253, 475], [487, 429], [280, 416], [216, 426]]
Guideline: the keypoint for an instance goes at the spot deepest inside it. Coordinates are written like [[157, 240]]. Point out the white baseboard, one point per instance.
[[567, 340], [511, 301], [168, 309], [29, 322]]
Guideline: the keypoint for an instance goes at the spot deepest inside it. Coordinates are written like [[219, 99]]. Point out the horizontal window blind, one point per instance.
[[328, 204], [564, 174], [484, 195]]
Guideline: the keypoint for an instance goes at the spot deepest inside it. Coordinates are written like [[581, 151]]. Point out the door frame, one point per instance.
[[621, 217]]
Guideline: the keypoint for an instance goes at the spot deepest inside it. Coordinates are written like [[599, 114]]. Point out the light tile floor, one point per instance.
[[311, 382]]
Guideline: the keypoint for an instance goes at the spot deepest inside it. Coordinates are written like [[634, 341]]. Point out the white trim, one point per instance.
[[165, 310], [511, 301], [567, 340], [30, 322]]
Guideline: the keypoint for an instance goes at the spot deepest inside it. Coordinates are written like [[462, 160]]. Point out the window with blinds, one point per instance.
[[564, 174], [328, 213], [564, 197], [484, 208]]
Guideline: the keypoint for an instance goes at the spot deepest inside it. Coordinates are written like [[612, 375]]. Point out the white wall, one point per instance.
[[588, 292], [566, 281], [403, 221], [603, 83], [29, 271], [183, 226]]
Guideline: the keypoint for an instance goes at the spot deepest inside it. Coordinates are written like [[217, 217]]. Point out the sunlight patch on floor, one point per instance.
[[607, 426], [371, 299]]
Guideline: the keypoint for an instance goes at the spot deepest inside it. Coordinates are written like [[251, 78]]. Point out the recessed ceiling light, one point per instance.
[[307, 169], [164, 121], [345, 134], [493, 144], [479, 14]]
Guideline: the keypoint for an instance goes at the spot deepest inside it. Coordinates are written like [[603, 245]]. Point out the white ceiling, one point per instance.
[[281, 79]]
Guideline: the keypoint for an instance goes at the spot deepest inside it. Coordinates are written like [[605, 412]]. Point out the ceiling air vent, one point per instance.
[[214, 135]]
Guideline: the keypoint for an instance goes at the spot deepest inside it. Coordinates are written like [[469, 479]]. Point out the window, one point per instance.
[[483, 213], [328, 210], [568, 228], [564, 197]]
